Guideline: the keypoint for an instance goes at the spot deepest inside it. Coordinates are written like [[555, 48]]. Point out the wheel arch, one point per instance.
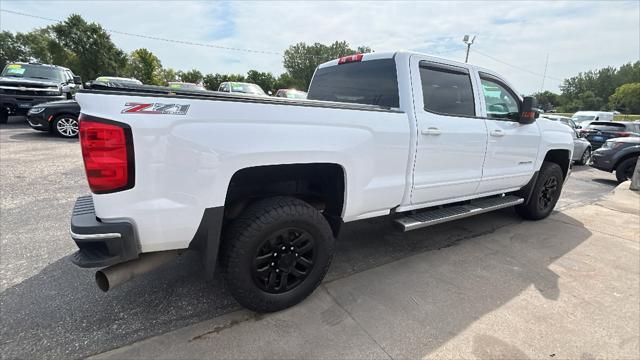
[[562, 157], [624, 157], [323, 185]]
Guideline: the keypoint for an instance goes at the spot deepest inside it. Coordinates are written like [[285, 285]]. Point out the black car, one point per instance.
[[60, 117], [23, 85], [598, 132], [619, 155]]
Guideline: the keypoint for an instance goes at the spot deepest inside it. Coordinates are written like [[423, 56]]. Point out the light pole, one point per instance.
[[468, 42]]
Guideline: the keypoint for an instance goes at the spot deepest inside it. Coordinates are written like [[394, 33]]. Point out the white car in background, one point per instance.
[[584, 118], [581, 146], [241, 88]]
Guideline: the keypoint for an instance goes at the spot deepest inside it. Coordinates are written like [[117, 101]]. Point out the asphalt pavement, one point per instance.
[[51, 309]]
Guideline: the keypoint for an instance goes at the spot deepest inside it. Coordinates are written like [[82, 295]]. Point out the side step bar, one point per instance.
[[441, 215]]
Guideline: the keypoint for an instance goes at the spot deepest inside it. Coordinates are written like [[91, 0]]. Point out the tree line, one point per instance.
[[605, 89], [87, 49]]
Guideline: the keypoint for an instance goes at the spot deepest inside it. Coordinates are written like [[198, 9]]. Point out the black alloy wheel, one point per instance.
[[284, 260]]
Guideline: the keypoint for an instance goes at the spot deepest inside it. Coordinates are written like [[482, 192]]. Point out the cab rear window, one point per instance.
[[372, 82]]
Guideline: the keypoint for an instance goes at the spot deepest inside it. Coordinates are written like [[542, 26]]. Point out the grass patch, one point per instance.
[[620, 117]]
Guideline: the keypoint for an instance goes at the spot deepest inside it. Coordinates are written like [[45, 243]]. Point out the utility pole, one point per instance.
[[466, 40], [544, 75]]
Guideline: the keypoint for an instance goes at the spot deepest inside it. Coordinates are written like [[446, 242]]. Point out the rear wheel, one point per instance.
[[66, 126], [276, 253], [585, 156], [545, 195], [624, 170]]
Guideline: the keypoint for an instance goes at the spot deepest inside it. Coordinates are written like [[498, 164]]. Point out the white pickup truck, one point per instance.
[[263, 184]]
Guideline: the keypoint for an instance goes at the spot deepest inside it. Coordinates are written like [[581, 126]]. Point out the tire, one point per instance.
[[66, 126], [585, 157], [624, 170], [276, 253], [545, 194], [4, 117]]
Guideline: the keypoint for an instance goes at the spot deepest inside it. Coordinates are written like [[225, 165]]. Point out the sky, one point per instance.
[[513, 38]]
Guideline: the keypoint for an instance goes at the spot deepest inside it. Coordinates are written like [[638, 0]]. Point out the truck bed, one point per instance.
[[167, 92]]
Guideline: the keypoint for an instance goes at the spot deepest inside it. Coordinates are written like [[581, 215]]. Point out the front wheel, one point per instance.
[[66, 126], [545, 195], [276, 253], [585, 157], [624, 170]]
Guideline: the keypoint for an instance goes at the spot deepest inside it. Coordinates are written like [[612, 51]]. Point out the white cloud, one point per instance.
[[577, 35]]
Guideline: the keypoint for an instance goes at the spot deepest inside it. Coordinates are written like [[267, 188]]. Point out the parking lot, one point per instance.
[[50, 308]]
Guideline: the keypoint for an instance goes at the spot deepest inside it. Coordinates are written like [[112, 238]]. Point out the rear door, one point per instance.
[[452, 138], [512, 147]]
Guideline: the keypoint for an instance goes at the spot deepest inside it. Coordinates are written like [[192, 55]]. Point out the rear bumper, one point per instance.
[[100, 244]]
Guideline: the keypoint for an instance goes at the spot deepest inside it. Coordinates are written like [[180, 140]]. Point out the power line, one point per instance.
[[515, 66], [154, 37]]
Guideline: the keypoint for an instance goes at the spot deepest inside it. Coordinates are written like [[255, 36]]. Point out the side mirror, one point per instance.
[[578, 127], [269, 92], [77, 80], [529, 113]]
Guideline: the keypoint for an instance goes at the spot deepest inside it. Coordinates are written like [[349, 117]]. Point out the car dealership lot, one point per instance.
[[50, 308]]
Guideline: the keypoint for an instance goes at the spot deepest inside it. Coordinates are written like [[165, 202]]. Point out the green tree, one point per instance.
[[300, 60], [146, 67], [168, 75], [191, 76], [213, 81], [626, 98], [547, 100], [591, 90], [285, 81], [95, 54], [11, 49], [265, 80]]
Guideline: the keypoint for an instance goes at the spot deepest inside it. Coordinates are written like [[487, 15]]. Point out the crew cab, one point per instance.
[[23, 85], [263, 184]]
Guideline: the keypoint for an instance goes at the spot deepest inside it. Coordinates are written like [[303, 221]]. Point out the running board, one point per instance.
[[440, 215]]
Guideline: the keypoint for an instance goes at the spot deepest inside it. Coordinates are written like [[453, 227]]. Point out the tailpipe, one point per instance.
[[117, 274]]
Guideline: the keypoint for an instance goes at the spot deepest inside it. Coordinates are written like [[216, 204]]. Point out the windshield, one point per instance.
[[581, 118], [247, 88], [372, 82], [32, 71]]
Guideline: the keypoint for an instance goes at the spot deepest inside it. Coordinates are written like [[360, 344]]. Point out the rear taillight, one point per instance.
[[107, 151], [623, 134]]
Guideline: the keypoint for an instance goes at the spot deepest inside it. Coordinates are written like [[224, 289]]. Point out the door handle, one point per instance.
[[431, 131], [496, 133]]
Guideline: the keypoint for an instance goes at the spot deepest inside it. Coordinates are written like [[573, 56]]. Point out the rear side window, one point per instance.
[[372, 82], [610, 126], [447, 90]]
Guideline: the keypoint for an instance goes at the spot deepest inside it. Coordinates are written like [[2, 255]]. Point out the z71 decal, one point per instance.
[[155, 108]]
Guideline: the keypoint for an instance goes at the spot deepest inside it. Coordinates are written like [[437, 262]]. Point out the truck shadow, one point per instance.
[[61, 305]]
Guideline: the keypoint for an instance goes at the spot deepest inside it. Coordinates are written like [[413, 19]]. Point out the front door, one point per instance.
[[513, 147], [451, 137]]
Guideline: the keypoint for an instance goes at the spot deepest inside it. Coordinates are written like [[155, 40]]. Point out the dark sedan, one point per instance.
[[59, 117], [598, 132], [619, 155]]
